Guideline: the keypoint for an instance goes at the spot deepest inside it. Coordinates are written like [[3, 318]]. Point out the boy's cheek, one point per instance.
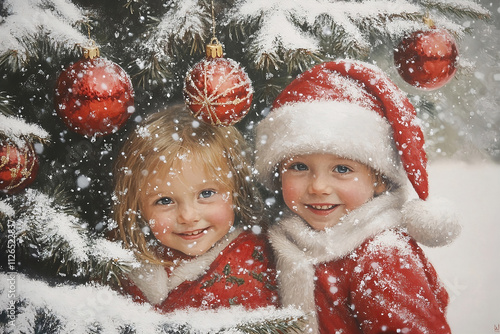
[[289, 185]]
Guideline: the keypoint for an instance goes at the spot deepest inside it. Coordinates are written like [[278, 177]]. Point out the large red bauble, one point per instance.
[[427, 59], [218, 91], [94, 97], [18, 166]]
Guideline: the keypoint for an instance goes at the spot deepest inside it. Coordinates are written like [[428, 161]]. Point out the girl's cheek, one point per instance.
[[160, 232], [161, 227]]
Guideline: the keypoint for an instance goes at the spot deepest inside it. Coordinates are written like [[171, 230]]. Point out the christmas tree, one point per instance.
[[57, 170]]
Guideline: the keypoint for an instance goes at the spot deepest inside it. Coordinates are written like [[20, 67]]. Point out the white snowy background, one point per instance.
[[470, 266]]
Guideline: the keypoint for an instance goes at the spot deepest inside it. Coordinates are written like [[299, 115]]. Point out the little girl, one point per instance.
[[341, 142], [184, 202]]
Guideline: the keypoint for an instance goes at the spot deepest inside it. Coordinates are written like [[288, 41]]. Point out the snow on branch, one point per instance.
[[290, 34], [48, 232], [299, 25], [460, 8], [6, 209], [186, 20], [78, 308], [16, 129], [296, 25], [278, 26], [375, 16], [185, 23], [26, 19]]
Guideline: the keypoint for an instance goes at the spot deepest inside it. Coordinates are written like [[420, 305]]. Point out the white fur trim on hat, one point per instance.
[[433, 222], [341, 128]]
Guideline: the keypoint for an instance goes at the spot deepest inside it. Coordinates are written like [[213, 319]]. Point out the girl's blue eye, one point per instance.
[[164, 201], [207, 193], [341, 169], [299, 166]]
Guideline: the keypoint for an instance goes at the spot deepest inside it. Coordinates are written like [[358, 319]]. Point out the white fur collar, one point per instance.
[[155, 283], [381, 213], [298, 247]]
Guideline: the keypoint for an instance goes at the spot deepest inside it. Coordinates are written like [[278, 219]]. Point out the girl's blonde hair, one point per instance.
[[159, 142]]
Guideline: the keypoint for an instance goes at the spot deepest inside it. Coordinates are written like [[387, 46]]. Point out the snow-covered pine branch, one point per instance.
[[16, 129], [47, 232], [459, 8], [288, 35], [298, 25], [25, 20], [77, 309], [186, 23], [277, 30]]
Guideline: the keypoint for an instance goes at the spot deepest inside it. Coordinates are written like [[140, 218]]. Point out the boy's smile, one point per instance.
[[322, 188], [322, 209]]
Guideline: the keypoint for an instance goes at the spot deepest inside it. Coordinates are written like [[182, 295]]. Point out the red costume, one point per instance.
[[364, 275], [236, 271]]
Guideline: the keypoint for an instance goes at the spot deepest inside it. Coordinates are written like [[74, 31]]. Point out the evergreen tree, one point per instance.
[[62, 218]]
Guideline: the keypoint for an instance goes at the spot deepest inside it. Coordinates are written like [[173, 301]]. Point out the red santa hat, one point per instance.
[[351, 109]]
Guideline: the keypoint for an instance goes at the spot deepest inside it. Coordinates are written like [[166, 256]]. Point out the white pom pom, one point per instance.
[[433, 222]]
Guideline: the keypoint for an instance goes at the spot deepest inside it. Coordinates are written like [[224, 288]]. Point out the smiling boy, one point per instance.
[[342, 142]]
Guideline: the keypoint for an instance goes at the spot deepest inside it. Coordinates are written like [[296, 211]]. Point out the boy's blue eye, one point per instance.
[[299, 166], [341, 169], [207, 193], [164, 201]]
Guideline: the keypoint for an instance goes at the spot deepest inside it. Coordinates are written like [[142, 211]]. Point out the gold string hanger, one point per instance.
[[90, 51], [214, 49]]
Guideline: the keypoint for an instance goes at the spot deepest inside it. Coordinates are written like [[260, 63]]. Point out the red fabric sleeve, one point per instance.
[[394, 289]]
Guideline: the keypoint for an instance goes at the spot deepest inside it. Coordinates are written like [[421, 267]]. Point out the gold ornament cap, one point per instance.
[[214, 49], [428, 21], [90, 51]]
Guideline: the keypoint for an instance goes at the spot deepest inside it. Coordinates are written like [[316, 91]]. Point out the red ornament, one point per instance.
[[218, 90], [18, 166], [427, 59], [94, 96]]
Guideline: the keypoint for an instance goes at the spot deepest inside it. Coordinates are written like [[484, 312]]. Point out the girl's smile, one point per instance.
[[193, 235]]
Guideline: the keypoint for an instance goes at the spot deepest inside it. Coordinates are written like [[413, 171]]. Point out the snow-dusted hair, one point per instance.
[[158, 143]]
